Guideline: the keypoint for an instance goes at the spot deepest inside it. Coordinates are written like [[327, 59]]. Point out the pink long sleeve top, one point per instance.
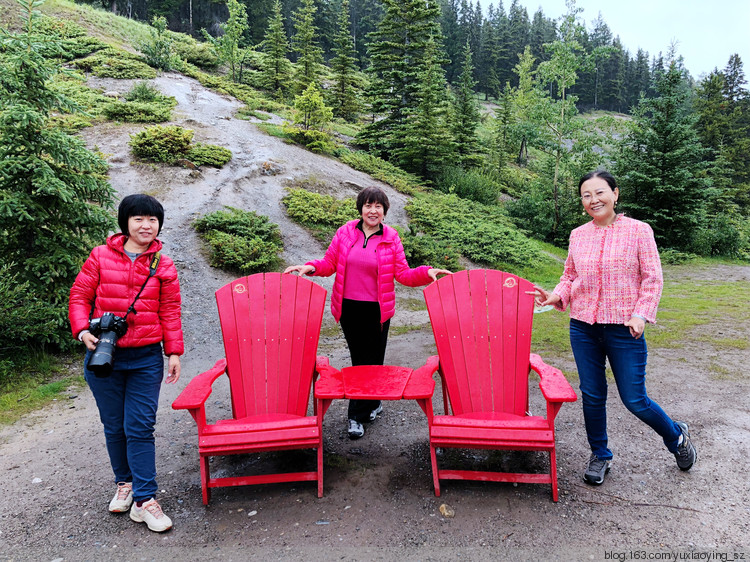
[[612, 273]]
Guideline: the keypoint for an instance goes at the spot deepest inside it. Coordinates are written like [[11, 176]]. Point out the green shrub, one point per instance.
[[316, 210], [24, 321], [200, 54], [146, 93], [479, 232], [209, 155], [317, 141], [161, 143], [381, 170], [425, 249], [241, 241], [137, 112], [674, 257], [113, 63], [475, 185]]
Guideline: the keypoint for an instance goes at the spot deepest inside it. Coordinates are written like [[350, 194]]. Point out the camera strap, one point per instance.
[[151, 272]]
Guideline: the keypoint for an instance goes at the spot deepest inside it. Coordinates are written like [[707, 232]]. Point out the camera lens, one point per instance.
[[103, 358]]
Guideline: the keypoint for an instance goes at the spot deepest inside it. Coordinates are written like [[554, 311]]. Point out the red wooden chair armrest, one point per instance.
[[195, 394], [331, 381], [552, 382], [421, 384]]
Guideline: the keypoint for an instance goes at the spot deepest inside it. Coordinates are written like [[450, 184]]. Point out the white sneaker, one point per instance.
[[151, 514], [123, 498], [356, 429], [376, 412]]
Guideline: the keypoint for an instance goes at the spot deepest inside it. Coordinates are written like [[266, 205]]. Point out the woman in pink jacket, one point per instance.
[[130, 279], [367, 258], [612, 282]]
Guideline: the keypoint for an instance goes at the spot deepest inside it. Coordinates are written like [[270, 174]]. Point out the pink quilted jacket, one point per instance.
[[110, 276], [391, 265]]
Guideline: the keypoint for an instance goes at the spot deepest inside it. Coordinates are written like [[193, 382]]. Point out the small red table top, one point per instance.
[[372, 382]]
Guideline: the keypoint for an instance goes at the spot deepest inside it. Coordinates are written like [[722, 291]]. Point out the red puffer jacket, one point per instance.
[[114, 280], [391, 264]]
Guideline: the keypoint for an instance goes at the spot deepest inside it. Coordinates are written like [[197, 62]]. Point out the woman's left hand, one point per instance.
[[173, 369], [434, 272], [636, 325]]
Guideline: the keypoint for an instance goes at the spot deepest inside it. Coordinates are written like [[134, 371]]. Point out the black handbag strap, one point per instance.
[[151, 272]]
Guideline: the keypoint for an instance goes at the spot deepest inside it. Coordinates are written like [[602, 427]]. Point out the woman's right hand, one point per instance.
[[300, 269], [544, 298], [90, 341]]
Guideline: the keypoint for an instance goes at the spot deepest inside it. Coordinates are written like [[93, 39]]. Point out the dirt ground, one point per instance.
[[379, 502]]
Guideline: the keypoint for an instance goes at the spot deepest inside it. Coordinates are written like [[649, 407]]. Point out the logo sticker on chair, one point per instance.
[[510, 282], [240, 288]]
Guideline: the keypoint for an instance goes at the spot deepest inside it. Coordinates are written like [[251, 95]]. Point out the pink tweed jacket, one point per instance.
[[611, 273]]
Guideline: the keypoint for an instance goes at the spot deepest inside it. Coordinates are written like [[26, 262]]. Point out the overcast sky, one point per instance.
[[707, 32]]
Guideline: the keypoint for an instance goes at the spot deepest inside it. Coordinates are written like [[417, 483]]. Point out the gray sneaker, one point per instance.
[[596, 470], [374, 414], [356, 429], [686, 454]]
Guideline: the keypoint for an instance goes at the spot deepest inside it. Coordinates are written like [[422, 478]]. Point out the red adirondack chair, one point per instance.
[[482, 321], [271, 324]]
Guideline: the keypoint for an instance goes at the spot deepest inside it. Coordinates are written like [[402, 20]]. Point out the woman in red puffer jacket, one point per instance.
[[367, 257], [127, 393]]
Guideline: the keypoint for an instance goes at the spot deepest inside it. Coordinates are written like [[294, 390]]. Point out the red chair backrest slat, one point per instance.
[[271, 325], [482, 322]]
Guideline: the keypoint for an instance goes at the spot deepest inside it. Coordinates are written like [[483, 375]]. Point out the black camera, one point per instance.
[[107, 328]]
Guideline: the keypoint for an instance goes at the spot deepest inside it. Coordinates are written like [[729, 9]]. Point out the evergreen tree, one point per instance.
[[661, 163], [488, 81], [277, 70], [518, 30], [452, 33], [425, 148], [343, 92], [737, 142], [397, 54], [312, 112], [466, 113], [366, 15], [304, 43], [54, 195]]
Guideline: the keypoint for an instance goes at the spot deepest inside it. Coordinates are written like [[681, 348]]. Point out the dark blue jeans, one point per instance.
[[592, 344], [127, 402]]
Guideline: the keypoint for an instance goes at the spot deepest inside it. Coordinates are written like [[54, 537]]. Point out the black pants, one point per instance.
[[366, 338]]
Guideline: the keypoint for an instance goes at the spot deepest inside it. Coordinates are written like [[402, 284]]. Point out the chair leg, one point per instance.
[[205, 475], [553, 473], [320, 469], [435, 474]]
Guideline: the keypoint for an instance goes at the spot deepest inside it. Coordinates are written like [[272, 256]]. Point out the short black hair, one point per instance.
[[604, 174], [138, 205], [373, 195]]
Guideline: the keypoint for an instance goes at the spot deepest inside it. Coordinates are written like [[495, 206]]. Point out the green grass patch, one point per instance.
[[413, 305], [33, 384], [247, 113], [401, 330]]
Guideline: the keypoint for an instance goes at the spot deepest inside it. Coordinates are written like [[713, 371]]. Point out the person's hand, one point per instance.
[[434, 272], [173, 369], [90, 341], [636, 325], [300, 269], [545, 298]]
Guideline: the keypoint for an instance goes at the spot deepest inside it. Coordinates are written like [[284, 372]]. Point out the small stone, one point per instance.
[[447, 511], [36, 481]]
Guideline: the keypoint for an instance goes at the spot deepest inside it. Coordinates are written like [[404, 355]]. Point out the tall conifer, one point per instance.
[[277, 70], [343, 94], [466, 113], [305, 44]]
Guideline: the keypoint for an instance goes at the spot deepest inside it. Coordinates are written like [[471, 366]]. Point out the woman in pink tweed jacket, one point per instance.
[[612, 282], [367, 258]]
